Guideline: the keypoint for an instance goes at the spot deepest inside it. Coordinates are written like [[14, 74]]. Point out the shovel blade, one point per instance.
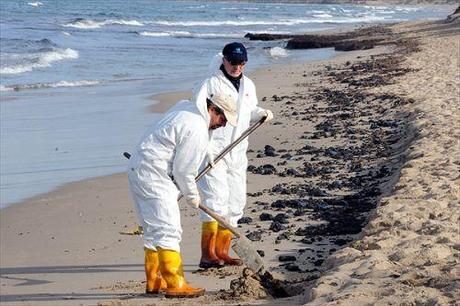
[[245, 250]]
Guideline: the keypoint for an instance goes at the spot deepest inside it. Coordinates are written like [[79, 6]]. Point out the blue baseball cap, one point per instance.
[[235, 52]]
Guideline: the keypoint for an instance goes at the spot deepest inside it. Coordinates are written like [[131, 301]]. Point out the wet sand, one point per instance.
[[368, 136]]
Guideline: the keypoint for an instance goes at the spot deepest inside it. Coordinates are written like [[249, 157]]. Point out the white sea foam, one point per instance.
[[154, 34], [84, 24], [387, 12], [90, 24], [50, 85], [186, 34], [322, 15], [36, 4], [240, 9], [286, 22], [41, 60], [5, 88], [220, 23], [74, 84], [407, 9], [377, 8], [125, 22], [277, 52]]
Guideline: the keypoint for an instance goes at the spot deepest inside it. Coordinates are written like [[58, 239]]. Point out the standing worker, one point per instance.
[[224, 187], [164, 164]]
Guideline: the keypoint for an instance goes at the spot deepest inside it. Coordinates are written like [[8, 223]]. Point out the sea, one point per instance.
[[78, 76]]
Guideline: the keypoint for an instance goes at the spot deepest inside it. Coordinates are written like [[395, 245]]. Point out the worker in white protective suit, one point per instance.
[[165, 163], [224, 187]]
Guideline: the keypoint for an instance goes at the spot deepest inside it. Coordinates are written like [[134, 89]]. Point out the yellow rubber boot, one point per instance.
[[223, 242], [209, 258], [172, 272], [155, 283]]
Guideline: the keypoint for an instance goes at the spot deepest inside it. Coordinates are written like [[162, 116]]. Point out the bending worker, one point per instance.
[[224, 187], [165, 163]]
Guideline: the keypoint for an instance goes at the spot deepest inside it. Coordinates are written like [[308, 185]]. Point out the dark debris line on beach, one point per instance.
[[366, 134]]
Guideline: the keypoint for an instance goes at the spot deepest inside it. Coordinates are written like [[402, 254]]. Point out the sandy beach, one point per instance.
[[353, 194]]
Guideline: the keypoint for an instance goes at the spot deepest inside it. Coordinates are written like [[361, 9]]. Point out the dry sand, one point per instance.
[[64, 247]]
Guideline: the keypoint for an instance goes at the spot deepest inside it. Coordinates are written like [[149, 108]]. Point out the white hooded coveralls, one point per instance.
[[173, 148], [223, 189]]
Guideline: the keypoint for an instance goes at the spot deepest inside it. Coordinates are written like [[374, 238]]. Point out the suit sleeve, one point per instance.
[[190, 152], [257, 112]]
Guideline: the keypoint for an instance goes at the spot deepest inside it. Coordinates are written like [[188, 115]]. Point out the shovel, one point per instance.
[[242, 245]]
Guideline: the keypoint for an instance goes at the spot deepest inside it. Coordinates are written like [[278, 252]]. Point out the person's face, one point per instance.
[[235, 69], [217, 118]]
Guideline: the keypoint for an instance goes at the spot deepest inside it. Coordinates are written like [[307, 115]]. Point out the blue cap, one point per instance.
[[235, 52]]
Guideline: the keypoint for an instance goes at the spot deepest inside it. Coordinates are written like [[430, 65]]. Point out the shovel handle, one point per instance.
[[224, 152]]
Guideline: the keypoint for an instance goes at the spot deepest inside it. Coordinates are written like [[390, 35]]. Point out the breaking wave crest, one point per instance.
[[81, 23], [277, 52], [286, 22], [186, 34], [50, 85], [36, 4], [31, 61]]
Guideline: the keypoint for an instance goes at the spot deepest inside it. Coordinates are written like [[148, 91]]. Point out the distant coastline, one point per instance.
[[365, 2]]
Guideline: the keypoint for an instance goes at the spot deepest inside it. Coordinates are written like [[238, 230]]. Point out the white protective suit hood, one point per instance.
[[215, 63], [222, 93], [201, 95]]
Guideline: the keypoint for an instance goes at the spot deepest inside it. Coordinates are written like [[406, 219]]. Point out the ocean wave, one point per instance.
[[81, 23], [324, 15], [5, 88], [38, 3], [50, 85], [407, 9], [220, 23], [239, 9], [40, 60], [375, 7], [154, 34], [277, 52], [10, 45], [361, 19], [387, 12], [286, 22], [186, 34]]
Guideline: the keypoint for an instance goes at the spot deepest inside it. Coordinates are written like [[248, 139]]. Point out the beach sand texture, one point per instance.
[[64, 247], [409, 253]]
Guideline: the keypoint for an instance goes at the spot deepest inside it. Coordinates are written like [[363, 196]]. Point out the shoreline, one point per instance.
[[148, 108], [84, 254], [166, 100]]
